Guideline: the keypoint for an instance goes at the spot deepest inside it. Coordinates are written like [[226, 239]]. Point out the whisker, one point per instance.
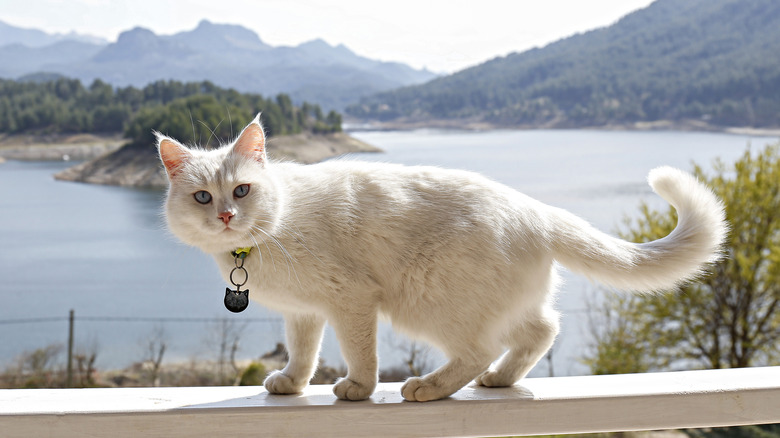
[[257, 245], [299, 239], [213, 133], [296, 235], [193, 127], [290, 261], [289, 257], [270, 254], [269, 249], [230, 120]]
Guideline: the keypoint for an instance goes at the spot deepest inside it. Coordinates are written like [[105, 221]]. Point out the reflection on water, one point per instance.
[[104, 251]]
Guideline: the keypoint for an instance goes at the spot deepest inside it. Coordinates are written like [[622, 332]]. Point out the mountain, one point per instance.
[[37, 38], [707, 62], [30, 37], [24, 51], [19, 59], [228, 55], [219, 38]]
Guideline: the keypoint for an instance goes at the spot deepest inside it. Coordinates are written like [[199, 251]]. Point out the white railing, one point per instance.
[[535, 406]]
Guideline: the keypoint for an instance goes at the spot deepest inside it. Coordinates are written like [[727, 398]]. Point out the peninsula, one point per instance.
[[128, 166]]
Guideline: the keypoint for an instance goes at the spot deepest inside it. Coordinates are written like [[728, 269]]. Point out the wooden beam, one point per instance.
[[628, 402]]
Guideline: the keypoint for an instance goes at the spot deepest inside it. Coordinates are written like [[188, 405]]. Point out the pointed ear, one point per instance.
[[172, 154], [251, 142]]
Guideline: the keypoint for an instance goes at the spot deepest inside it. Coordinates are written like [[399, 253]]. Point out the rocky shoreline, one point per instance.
[[481, 125], [76, 147]]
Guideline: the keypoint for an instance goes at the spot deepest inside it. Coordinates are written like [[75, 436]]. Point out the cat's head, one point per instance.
[[221, 199]]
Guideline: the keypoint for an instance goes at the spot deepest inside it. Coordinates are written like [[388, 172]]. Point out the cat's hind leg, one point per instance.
[[528, 342], [304, 335]]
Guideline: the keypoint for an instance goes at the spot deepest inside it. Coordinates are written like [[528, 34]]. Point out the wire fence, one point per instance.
[[173, 319], [44, 367], [131, 319]]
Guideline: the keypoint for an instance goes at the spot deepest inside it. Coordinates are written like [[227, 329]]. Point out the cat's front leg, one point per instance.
[[304, 335], [357, 336]]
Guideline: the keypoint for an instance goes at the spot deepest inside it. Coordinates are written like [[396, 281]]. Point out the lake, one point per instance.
[[104, 251]]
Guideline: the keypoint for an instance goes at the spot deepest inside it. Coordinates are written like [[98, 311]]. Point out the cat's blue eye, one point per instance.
[[241, 191], [203, 197]]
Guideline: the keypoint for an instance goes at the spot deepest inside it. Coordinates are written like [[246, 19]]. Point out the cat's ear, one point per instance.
[[251, 142], [172, 153]]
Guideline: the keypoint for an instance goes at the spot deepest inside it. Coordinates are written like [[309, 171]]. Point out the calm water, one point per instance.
[[104, 251]]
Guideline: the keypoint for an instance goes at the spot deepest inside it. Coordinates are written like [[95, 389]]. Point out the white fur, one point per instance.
[[447, 256]]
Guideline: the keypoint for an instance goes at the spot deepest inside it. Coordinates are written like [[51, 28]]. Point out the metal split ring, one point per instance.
[[246, 276]]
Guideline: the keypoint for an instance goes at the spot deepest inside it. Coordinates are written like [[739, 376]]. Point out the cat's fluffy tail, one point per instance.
[[658, 265]]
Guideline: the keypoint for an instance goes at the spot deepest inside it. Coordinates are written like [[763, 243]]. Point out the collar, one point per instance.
[[241, 253]]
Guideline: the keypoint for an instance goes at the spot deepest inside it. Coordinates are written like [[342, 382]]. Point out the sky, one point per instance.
[[442, 35]]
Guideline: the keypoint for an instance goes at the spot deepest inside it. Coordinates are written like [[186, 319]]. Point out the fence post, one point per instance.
[[70, 350]]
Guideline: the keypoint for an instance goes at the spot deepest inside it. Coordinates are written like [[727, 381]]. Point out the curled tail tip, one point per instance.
[[675, 186], [666, 179], [690, 197]]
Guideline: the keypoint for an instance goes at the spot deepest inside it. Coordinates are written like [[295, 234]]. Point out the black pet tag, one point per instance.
[[238, 300]]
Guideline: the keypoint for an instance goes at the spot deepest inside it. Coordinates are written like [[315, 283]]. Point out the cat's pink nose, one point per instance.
[[225, 216]]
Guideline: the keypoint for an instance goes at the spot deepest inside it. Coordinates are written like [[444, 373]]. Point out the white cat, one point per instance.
[[448, 256]]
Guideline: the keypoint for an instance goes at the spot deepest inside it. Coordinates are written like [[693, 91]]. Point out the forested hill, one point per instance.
[[713, 61], [182, 110]]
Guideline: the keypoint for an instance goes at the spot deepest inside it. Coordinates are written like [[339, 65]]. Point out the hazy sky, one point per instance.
[[442, 35]]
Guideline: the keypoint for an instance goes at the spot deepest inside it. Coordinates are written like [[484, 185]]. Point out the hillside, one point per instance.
[[710, 62], [65, 106], [228, 55]]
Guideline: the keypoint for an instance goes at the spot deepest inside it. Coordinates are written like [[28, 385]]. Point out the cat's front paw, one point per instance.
[[346, 389], [280, 383], [420, 389], [492, 379]]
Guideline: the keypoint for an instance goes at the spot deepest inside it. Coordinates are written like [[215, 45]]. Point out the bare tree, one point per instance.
[[154, 351], [40, 368], [85, 357], [225, 335], [417, 359]]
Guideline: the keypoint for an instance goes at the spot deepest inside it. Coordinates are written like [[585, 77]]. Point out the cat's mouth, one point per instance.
[[231, 229], [224, 239]]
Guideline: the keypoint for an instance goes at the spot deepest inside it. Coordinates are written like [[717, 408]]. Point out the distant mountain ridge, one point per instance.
[[38, 38], [713, 62], [228, 55]]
